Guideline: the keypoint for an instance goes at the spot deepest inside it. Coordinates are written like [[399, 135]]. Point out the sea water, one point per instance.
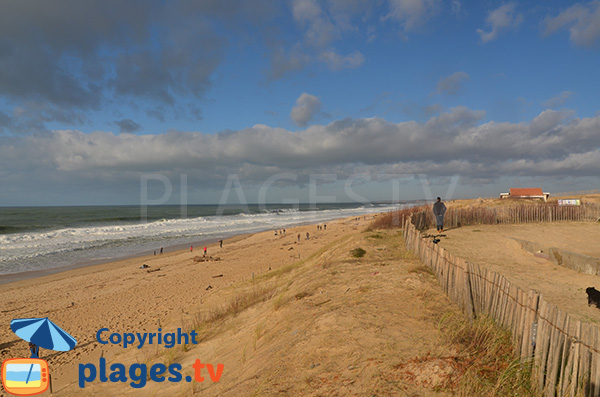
[[44, 238]]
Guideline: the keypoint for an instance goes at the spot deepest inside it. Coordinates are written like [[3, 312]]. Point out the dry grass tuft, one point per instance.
[[279, 301], [302, 295], [392, 220], [421, 269], [486, 363], [205, 322]]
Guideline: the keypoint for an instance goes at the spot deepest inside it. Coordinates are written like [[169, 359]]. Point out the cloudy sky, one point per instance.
[[338, 99]]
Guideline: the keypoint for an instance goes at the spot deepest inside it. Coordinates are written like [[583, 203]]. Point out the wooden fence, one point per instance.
[[565, 351], [509, 215]]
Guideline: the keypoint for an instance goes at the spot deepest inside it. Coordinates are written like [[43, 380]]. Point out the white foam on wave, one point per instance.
[[42, 250]]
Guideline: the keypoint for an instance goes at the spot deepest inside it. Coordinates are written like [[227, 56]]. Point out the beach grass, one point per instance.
[[486, 363]]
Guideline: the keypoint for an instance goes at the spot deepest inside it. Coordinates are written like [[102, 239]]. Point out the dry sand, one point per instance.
[[493, 246], [332, 324], [321, 322]]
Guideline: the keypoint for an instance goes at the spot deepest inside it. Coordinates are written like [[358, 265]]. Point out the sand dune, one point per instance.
[[314, 320]]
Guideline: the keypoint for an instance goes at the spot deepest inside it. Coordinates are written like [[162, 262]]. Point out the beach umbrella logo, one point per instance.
[[43, 333]]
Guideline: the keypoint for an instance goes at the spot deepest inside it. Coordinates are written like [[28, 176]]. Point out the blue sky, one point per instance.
[[95, 96]]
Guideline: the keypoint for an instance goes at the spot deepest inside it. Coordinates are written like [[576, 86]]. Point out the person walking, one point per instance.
[[204, 251], [439, 209]]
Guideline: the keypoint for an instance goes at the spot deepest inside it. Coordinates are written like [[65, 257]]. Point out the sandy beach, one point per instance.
[[125, 298], [284, 313]]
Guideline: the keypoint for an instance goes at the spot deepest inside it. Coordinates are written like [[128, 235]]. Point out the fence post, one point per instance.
[[469, 306]]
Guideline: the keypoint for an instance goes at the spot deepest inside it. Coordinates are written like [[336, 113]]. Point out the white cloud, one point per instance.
[[321, 24], [456, 6], [552, 144], [305, 10], [336, 61], [413, 13], [319, 30], [284, 62], [451, 84], [500, 19], [307, 107], [558, 99], [432, 109], [582, 20]]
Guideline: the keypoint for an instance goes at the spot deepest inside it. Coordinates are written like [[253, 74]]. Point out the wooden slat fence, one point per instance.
[[510, 215], [565, 351]]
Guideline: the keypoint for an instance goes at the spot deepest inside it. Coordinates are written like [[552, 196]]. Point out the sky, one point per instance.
[[133, 102]]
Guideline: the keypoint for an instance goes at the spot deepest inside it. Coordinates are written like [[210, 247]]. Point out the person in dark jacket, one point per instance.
[[439, 209]]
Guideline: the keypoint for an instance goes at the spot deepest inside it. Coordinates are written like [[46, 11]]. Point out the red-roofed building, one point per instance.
[[526, 193]]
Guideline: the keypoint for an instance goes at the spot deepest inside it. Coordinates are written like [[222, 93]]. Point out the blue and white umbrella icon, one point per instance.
[[43, 333]]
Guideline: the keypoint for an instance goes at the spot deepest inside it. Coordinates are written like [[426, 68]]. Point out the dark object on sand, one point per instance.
[[209, 287], [593, 296], [436, 240], [217, 276], [205, 258]]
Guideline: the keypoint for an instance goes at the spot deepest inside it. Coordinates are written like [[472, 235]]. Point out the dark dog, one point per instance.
[[593, 296]]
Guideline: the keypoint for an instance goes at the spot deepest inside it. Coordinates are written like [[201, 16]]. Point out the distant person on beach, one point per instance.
[[439, 209], [307, 236], [35, 350], [325, 227], [192, 248], [298, 237], [161, 250], [204, 251], [221, 243]]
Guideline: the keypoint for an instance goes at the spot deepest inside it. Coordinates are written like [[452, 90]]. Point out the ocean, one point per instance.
[[50, 238]]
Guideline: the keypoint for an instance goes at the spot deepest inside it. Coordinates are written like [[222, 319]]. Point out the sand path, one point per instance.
[[493, 246]]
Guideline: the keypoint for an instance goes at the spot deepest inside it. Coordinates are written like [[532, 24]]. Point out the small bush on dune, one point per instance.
[[358, 252]]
